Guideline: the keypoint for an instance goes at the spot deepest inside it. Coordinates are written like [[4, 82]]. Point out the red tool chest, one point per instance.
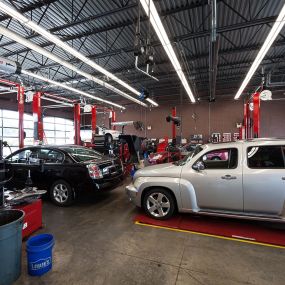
[[33, 217]]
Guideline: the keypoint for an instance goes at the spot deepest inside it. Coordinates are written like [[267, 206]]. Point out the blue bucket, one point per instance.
[[39, 254]]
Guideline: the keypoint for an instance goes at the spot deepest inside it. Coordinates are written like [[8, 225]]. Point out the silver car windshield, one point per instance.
[[188, 157]]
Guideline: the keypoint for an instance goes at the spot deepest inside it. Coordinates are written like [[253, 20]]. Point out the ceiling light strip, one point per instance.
[[162, 35], [16, 37], [56, 40], [275, 30], [85, 94]]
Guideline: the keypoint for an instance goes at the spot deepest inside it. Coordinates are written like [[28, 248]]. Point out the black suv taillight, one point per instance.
[[94, 171]]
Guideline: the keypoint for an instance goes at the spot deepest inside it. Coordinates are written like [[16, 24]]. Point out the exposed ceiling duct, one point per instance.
[[213, 52], [57, 41]]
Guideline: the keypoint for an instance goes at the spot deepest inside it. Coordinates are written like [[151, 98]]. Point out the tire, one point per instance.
[[61, 193], [154, 200], [108, 139], [215, 158]]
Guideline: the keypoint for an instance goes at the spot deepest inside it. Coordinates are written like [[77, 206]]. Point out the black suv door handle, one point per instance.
[[228, 177]]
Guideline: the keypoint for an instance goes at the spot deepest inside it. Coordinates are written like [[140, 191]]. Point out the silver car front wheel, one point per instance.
[[159, 204]]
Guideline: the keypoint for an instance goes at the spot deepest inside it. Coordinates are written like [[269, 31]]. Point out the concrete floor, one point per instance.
[[96, 242]]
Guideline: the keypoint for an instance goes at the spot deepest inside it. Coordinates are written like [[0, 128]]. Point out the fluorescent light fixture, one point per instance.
[[56, 101], [85, 94], [56, 40], [16, 37], [275, 30], [152, 102], [148, 5]]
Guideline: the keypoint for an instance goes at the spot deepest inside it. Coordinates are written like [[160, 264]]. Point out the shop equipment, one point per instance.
[[39, 254], [11, 222]]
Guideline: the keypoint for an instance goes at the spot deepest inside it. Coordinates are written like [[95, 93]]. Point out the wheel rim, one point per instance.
[[60, 193], [158, 205]]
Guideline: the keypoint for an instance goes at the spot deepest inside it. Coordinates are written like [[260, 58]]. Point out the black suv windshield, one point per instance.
[[189, 156], [82, 154]]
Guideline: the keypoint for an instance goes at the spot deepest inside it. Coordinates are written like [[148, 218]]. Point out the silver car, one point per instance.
[[244, 179]]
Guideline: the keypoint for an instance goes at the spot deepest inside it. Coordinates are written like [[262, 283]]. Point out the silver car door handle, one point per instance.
[[228, 177], [283, 178]]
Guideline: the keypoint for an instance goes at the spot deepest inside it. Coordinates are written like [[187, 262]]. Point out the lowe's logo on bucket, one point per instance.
[[40, 264]]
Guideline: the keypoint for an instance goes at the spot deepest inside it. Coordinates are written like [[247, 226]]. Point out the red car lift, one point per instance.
[[93, 122], [77, 139], [251, 122], [21, 107], [112, 119], [173, 124], [38, 120]]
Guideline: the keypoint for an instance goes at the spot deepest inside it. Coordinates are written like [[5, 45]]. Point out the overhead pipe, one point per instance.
[[213, 51], [147, 69]]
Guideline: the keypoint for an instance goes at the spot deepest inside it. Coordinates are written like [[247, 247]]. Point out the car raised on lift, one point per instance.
[[247, 181], [64, 170]]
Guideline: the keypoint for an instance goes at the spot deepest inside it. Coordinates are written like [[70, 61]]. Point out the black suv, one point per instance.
[[63, 170]]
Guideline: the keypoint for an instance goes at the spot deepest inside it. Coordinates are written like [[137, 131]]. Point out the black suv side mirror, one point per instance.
[[198, 166]]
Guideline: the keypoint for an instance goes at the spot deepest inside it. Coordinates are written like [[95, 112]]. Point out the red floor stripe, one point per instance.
[[262, 232]]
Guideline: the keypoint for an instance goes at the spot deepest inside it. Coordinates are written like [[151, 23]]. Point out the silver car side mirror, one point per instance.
[[198, 166]]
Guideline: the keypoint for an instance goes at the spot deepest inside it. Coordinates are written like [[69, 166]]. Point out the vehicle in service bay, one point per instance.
[[247, 181], [64, 170]]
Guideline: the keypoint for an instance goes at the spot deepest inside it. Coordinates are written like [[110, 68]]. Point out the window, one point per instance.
[[20, 157], [51, 156], [82, 154], [9, 129], [58, 130], [265, 157], [220, 159]]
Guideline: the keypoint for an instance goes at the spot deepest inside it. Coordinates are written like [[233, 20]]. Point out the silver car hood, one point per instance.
[[161, 170]]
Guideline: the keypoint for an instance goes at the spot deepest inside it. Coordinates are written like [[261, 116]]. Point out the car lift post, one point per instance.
[[256, 114], [244, 134], [93, 123], [77, 139], [113, 119], [38, 121], [21, 106], [173, 124]]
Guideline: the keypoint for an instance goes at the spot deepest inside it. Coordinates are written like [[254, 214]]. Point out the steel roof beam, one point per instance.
[[157, 43]]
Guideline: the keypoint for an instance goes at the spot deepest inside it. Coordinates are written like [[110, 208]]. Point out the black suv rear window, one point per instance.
[[82, 154]]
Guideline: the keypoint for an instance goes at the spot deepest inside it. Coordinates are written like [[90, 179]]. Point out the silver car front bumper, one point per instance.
[[132, 194]]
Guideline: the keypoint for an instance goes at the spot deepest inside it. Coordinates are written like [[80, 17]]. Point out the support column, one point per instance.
[[21, 107], [37, 114], [113, 119], [77, 139], [256, 115], [93, 122], [245, 122], [173, 124]]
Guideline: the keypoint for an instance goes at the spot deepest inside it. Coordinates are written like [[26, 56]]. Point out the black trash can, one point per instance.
[[11, 222]]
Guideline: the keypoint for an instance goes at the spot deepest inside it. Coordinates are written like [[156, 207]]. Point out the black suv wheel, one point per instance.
[[61, 193]]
